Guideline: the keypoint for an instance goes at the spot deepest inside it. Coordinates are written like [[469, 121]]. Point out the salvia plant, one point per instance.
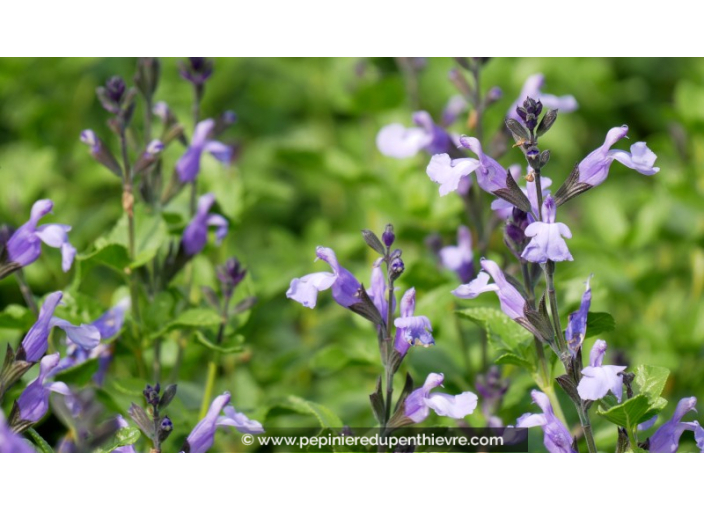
[[60, 364], [153, 248]]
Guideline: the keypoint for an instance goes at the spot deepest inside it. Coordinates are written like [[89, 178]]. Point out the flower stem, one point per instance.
[[209, 385], [214, 362], [26, 292], [587, 428], [389, 341], [128, 206]]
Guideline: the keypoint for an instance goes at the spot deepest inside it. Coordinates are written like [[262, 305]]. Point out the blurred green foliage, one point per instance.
[[310, 174]]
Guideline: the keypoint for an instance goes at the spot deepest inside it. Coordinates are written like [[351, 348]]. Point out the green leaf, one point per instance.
[[512, 359], [43, 446], [130, 386], [151, 233], [598, 323], [192, 318], [325, 416], [107, 254], [123, 437], [16, 317], [222, 348], [633, 411], [651, 380], [500, 328], [80, 374]]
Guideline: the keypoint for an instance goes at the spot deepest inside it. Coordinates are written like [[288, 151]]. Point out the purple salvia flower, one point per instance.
[[122, 423], [491, 176], [11, 442], [667, 438], [398, 141], [599, 379], [577, 323], [556, 437], [195, 236], [531, 88], [699, 436], [449, 173], [410, 329], [345, 287], [201, 437], [33, 403], [110, 323], [594, 169], [239, 421], [460, 258], [35, 342], [512, 303], [419, 403], [24, 247], [189, 165], [377, 290], [547, 243]]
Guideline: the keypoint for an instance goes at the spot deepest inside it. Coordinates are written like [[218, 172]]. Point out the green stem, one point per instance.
[[128, 206], [388, 341], [587, 428], [26, 292], [389, 394], [549, 270], [157, 360], [157, 426], [209, 385], [213, 364], [478, 103], [632, 439]]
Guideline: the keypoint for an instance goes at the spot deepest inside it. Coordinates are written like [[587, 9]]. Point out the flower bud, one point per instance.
[[388, 237]]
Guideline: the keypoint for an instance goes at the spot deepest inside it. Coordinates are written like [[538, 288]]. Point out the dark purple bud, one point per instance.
[[166, 424], [115, 88], [516, 236], [396, 268], [165, 428], [388, 237], [151, 394], [494, 94], [197, 70], [230, 275]]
